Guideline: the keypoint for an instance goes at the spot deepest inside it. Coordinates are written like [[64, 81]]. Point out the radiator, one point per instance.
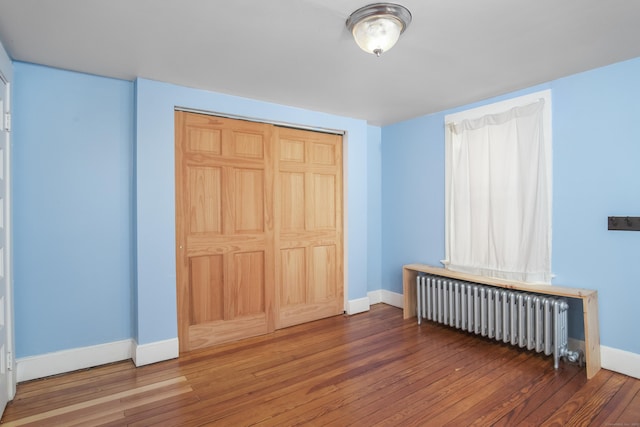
[[532, 321]]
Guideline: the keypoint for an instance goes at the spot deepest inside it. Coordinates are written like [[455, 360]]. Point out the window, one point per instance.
[[498, 190]]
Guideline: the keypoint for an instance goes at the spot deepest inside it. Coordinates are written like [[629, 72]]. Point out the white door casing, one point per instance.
[[7, 371]]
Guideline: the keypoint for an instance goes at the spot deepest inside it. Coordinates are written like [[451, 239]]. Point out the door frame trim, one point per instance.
[[8, 268], [265, 121]]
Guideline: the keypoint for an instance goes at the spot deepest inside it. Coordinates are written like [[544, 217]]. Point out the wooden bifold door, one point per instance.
[[259, 238]]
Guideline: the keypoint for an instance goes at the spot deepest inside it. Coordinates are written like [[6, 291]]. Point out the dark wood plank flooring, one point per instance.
[[371, 369]]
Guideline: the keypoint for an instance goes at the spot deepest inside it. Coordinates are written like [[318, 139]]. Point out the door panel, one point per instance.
[[292, 194], [204, 140], [204, 189], [309, 234], [323, 154], [206, 291], [324, 274], [225, 245], [291, 150], [248, 145], [248, 286], [249, 201], [324, 202], [293, 277]]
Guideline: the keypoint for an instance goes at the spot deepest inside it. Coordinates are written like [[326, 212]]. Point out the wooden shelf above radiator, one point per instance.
[[589, 302]]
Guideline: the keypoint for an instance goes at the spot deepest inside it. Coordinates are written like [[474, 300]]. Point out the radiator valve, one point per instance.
[[575, 357]]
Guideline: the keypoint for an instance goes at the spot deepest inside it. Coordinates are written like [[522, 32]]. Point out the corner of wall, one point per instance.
[[145, 354], [384, 296]]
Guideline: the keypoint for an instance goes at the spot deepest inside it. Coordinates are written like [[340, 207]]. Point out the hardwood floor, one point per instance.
[[371, 369]]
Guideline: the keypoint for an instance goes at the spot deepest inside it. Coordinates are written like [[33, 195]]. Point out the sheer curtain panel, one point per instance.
[[499, 195]]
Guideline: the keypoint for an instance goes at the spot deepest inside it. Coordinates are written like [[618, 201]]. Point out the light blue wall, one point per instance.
[[374, 208], [72, 177], [412, 196], [155, 208], [596, 149], [597, 174]]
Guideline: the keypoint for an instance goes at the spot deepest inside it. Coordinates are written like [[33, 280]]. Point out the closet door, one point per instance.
[[309, 227], [224, 229]]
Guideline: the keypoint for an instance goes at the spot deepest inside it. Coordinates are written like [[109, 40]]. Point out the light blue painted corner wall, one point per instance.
[[72, 176], [374, 208], [596, 147], [412, 196], [155, 192]]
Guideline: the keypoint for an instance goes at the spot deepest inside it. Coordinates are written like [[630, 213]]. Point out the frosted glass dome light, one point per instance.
[[377, 27]]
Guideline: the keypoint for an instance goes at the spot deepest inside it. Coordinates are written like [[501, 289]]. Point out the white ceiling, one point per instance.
[[299, 52]]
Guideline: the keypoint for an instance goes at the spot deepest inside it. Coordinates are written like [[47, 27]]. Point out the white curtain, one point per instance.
[[499, 196]]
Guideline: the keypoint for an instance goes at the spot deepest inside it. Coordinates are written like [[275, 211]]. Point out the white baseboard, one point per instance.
[[386, 297], [361, 305], [145, 354], [59, 362], [33, 367], [375, 297], [393, 298], [621, 361], [30, 368], [356, 306]]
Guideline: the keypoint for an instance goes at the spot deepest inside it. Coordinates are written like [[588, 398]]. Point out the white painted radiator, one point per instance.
[[533, 321]]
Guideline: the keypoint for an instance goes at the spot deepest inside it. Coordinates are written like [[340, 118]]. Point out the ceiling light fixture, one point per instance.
[[377, 27]]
